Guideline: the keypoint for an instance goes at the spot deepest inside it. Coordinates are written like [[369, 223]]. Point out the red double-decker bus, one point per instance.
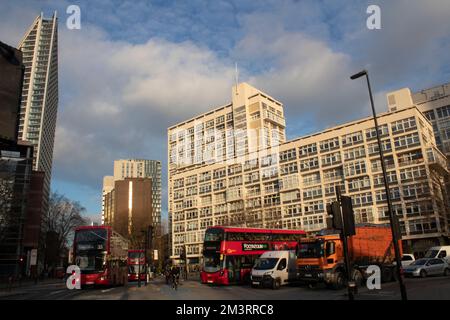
[[101, 254], [230, 253], [136, 265]]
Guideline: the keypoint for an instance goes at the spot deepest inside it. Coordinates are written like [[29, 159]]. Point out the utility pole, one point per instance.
[[343, 234], [396, 236]]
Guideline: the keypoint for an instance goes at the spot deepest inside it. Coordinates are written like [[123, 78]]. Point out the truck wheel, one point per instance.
[[357, 277], [338, 281], [423, 274], [386, 275], [276, 284]]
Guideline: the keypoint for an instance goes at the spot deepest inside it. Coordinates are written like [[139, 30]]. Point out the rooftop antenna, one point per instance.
[[236, 76]]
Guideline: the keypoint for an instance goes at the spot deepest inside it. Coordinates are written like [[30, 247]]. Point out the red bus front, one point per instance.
[[136, 265], [101, 261], [230, 253]]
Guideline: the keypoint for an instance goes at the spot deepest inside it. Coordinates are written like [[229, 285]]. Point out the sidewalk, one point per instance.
[[16, 287]]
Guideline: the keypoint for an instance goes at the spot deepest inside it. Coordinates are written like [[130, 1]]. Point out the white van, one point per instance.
[[274, 269], [442, 252]]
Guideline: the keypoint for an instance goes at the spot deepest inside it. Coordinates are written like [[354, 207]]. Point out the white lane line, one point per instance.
[[108, 290], [55, 292]]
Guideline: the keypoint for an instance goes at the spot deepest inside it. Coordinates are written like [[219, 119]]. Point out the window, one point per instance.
[[443, 112], [310, 179], [219, 173], [374, 150], [430, 115], [329, 144], [291, 196], [271, 200], [404, 125], [313, 207], [289, 182], [358, 184], [312, 193], [289, 168], [251, 177], [407, 141], [362, 199], [234, 169], [333, 174], [371, 133], [288, 155], [354, 153], [331, 159], [355, 168], [205, 176], [271, 187], [352, 138], [414, 173], [269, 160], [235, 181], [269, 173], [204, 188], [251, 164], [307, 150], [309, 164], [292, 210]]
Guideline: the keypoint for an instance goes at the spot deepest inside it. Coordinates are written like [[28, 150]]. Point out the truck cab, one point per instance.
[[317, 256], [274, 269]]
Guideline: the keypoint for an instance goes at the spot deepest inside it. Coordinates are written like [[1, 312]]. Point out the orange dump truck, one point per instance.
[[321, 258]]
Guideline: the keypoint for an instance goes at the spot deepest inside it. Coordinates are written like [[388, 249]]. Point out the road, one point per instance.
[[428, 288]]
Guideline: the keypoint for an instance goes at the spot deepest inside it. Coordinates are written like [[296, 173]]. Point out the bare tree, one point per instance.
[[62, 217]]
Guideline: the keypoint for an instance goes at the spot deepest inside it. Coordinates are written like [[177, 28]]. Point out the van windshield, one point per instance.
[[431, 254], [265, 263]]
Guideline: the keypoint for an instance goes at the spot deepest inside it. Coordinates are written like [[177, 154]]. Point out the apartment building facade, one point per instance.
[[39, 101], [288, 184]]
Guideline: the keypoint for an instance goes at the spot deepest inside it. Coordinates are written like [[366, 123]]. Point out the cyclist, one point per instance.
[[175, 273]]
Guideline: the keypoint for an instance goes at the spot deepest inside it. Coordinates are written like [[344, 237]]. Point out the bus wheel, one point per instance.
[[276, 284]]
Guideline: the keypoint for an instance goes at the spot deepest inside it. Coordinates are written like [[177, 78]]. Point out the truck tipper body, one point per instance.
[[321, 258]]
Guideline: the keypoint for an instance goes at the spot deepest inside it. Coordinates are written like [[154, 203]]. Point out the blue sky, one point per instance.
[[137, 67]]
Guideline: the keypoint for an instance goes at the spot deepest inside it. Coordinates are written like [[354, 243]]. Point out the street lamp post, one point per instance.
[[386, 186]]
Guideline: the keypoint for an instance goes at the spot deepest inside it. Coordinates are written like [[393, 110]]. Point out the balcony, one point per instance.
[[437, 161]]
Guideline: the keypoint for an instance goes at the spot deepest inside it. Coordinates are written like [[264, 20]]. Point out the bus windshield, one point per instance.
[[211, 262], [90, 262], [310, 249], [214, 234], [91, 239], [265, 263]]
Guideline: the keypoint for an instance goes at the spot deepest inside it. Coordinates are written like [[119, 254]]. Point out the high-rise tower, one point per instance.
[[37, 119]]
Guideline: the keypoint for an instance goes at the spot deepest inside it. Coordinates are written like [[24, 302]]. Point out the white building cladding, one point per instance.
[[37, 120], [288, 184]]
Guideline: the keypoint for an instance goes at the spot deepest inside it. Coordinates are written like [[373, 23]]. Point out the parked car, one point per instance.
[[427, 267], [407, 259]]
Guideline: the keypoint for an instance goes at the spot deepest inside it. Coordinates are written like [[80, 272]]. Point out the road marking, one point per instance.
[[55, 292], [108, 290]]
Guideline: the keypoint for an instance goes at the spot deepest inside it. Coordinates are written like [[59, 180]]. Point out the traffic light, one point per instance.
[[334, 210], [348, 216], [183, 254]]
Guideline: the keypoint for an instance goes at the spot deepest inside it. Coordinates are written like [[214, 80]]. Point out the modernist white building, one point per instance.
[[275, 183]]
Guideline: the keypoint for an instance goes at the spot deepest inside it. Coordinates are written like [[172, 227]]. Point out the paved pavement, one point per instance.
[[428, 288]]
